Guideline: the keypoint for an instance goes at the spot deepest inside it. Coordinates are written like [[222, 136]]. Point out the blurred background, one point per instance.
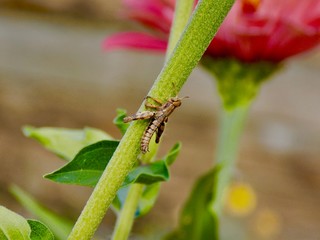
[[54, 73]]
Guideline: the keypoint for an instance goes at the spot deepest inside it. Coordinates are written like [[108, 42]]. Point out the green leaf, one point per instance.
[[118, 120], [157, 171], [13, 226], [87, 166], [2, 236], [148, 174], [197, 220], [154, 172], [173, 154], [64, 142], [151, 191], [60, 226], [146, 201], [39, 231]]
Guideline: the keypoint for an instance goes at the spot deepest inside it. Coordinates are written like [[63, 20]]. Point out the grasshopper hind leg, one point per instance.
[[160, 131]]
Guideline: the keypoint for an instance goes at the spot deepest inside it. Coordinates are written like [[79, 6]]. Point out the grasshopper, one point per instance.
[[158, 119]]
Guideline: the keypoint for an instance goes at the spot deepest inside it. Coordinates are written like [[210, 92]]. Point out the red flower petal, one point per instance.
[[259, 30], [134, 40], [156, 14], [273, 31]]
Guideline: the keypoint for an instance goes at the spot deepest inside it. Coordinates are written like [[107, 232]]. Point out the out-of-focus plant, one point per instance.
[[14, 226], [251, 45]]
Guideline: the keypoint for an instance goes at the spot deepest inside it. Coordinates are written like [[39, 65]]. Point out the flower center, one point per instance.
[[250, 6]]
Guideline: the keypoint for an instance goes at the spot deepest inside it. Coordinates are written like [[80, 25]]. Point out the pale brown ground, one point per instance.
[[53, 73]]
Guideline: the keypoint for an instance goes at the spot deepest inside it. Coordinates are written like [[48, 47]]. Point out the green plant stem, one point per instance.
[[231, 128], [204, 23], [126, 217], [182, 13], [201, 28], [238, 85]]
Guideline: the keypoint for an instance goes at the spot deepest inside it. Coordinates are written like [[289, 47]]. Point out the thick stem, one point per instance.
[[204, 23], [126, 217], [201, 28], [231, 127]]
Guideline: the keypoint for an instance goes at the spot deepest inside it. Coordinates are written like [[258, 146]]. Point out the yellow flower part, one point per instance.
[[241, 199], [254, 3], [267, 223]]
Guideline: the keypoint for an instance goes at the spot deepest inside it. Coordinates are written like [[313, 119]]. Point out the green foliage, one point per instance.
[[39, 231], [148, 174], [118, 120], [15, 227], [87, 166], [148, 199], [196, 219], [151, 191], [154, 172], [60, 226], [64, 142], [172, 154]]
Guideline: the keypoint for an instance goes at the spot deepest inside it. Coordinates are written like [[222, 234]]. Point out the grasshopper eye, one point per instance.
[[177, 103]]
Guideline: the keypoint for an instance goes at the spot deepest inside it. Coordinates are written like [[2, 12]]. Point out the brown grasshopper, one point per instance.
[[158, 119]]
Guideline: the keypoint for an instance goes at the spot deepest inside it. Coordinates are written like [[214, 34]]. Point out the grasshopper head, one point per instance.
[[176, 101]]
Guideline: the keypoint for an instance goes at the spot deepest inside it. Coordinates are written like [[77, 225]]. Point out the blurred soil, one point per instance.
[[53, 73]]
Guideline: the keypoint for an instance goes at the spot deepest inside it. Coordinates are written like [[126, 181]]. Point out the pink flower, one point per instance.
[[156, 15], [265, 30]]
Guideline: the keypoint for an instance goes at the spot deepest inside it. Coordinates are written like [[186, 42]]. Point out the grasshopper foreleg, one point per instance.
[[139, 116], [149, 105], [152, 106], [154, 99]]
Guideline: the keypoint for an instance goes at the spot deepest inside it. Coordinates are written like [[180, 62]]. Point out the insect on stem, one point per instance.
[[159, 118]]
